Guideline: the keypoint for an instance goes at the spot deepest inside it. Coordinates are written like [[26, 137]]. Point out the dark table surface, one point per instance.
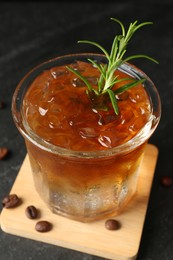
[[31, 32]]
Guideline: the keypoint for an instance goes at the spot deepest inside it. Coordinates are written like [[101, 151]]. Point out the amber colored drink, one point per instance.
[[85, 159]]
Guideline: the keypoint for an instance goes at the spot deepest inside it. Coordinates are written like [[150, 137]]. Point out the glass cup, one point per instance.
[[85, 185]]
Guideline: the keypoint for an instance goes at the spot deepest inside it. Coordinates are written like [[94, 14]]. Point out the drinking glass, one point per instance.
[[85, 185]]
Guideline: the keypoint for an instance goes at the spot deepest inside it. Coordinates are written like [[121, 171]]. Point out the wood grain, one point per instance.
[[92, 238]]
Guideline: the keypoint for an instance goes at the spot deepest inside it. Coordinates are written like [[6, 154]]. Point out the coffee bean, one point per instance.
[[31, 212], [10, 201], [112, 224], [2, 104], [3, 152], [166, 181], [43, 226]]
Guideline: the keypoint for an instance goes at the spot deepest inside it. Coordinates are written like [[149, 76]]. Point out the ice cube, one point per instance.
[[88, 132], [59, 71], [105, 141]]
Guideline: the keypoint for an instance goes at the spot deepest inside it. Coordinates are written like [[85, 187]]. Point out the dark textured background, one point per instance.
[[31, 32]]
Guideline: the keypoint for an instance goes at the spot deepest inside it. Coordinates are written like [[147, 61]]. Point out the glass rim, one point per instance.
[[142, 136]]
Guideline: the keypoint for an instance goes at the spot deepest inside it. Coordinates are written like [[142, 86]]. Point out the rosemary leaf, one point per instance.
[[81, 77], [128, 86], [140, 56], [113, 100], [97, 45]]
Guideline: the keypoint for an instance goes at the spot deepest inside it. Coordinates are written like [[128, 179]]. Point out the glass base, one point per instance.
[[94, 217]]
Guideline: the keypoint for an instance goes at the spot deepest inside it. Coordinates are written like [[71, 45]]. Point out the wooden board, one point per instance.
[[92, 238]]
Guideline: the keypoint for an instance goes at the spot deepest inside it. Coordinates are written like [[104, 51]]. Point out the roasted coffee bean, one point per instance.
[[2, 104], [43, 226], [166, 181], [112, 224], [31, 212], [3, 152], [10, 201]]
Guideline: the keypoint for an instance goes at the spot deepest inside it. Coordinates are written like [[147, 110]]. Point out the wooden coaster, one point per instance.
[[92, 238]]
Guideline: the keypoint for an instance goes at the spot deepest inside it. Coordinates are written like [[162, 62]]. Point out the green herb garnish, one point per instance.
[[115, 59]]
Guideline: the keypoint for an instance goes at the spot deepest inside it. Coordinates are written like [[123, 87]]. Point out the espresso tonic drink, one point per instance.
[[85, 158]]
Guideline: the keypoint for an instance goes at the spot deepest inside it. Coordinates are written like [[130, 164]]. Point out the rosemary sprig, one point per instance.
[[115, 59]]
